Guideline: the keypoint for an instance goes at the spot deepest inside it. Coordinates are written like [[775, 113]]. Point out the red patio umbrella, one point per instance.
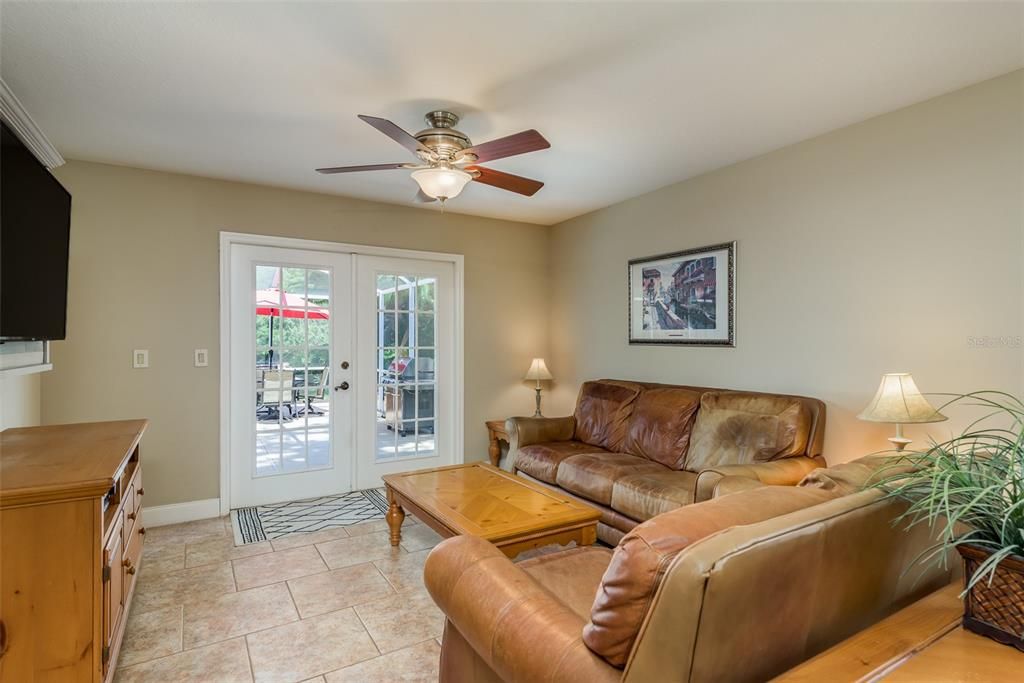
[[275, 303]]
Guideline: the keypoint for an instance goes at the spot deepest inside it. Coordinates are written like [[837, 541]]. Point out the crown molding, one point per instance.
[[17, 119]]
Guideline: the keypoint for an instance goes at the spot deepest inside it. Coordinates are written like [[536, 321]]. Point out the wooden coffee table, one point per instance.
[[481, 500]]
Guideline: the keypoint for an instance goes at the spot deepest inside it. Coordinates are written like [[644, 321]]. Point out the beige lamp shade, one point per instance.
[[538, 370], [899, 401]]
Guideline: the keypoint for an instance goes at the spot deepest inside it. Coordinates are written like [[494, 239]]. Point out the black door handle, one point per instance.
[[343, 386]]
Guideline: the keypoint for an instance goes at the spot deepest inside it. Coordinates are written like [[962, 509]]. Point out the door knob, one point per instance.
[[343, 386]]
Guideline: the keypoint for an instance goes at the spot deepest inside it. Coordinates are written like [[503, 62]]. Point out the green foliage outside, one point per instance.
[[404, 302]]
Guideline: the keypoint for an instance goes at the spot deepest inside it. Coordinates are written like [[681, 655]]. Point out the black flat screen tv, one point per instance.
[[35, 227]]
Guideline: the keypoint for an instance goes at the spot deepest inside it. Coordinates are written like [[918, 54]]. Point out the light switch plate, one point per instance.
[[202, 358], [140, 358]]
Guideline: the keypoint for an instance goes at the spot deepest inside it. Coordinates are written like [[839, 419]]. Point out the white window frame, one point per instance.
[[229, 239]]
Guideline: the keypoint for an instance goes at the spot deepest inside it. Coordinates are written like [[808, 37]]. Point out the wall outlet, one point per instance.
[[140, 358], [202, 358]]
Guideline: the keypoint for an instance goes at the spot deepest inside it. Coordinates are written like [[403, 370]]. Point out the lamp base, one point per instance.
[[899, 443], [537, 412]]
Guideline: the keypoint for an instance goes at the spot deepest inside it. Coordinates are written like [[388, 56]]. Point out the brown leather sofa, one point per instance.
[[636, 450], [738, 588]]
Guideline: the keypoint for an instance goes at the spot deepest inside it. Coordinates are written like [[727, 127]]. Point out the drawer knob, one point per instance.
[[142, 531], [130, 568], [131, 516], [142, 492]]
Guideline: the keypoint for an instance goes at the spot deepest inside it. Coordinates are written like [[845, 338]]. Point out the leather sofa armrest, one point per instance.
[[784, 472], [523, 431], [523, 632]]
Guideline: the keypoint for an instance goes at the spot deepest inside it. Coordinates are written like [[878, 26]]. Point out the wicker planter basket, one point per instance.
[[997, 610]]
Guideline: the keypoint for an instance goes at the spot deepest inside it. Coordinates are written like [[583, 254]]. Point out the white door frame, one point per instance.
[[229, 239]]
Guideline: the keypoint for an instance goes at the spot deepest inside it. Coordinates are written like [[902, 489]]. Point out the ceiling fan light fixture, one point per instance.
[[440, 182]]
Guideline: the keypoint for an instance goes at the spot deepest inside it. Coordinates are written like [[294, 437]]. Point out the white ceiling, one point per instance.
[[632, 96]]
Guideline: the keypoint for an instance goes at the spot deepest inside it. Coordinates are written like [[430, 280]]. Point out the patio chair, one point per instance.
[[278, 391], [317, 393]]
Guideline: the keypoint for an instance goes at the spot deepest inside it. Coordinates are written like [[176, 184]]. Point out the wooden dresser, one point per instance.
[[70, 543]]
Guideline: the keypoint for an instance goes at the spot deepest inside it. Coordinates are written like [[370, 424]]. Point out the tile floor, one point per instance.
[[332, 606]]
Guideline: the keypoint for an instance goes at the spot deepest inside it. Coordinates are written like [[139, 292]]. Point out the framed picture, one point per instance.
[[688, 297]]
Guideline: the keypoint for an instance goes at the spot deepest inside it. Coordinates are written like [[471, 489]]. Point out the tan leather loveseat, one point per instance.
[[738, 588], [636, 450]]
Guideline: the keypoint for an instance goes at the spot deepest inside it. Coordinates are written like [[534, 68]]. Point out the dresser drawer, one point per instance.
[[129, 512], [137, 484], [132, 557]]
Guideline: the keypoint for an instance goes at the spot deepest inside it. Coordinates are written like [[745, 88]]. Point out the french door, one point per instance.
[[291, 345], [405, 406], [342, 369]]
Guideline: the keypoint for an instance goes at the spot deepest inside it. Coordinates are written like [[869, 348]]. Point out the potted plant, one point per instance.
[[970, 489]]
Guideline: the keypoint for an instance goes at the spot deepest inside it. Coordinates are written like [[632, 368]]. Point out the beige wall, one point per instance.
[[881, 247], [19, 401], [144, 274]]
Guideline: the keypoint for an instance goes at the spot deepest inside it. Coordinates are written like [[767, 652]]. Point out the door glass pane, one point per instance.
[[292, 320], [406, 355]]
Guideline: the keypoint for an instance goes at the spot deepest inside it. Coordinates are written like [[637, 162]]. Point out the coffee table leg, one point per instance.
[[395, 517]]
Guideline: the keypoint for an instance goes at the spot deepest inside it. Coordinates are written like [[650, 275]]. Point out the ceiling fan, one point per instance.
[[448, 158]]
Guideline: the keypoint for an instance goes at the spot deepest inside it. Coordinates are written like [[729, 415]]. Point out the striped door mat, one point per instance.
[[265, 522]]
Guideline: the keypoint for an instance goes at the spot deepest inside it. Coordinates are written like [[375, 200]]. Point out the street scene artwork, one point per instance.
[[683, 298]]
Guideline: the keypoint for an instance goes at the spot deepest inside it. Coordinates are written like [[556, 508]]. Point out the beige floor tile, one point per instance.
[[415, 664], [156, 591], [225, 662], [404, 571], [221, 550], [337, 589], [370, 527], [310, 647], [318, 679], [276, 567], [150, 635], [401, 620], [298, 540], [236, 614], [419, 537], [188, 532], [161, 559], [346, 552]]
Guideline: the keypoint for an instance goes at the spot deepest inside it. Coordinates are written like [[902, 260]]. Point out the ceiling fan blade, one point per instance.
[[397, 134], [423, 197], [520, 143], [353, 169], [505, 181]]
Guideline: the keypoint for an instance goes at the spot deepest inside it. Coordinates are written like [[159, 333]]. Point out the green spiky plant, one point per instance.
[[969, 489]]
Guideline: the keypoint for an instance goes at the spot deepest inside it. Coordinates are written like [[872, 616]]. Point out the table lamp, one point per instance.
[[898, 401], [538, 371]]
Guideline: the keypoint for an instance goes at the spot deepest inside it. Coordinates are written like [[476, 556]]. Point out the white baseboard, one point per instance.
[[162, 515]]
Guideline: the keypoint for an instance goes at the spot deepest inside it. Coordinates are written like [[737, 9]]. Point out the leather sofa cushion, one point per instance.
[[646, 495], [659, 428], [609, 518], [541, 460], [602, 411], [737, 428], [592, 475], [571, 575], [642, 558]]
